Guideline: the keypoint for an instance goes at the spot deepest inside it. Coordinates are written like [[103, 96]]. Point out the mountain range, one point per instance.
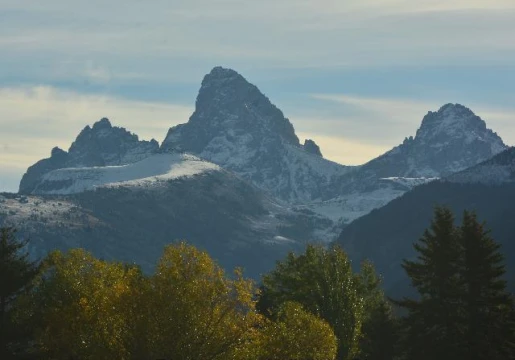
[[386, 235], [234, 179]]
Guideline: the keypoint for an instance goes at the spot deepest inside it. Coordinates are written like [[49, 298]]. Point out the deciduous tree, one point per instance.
[[322, 281]]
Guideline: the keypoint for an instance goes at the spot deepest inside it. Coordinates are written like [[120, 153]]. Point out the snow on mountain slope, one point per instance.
[[410, 182], [237, 127], [449, 140], [346, 208], [217, 211], [155, 168], [498, 170], [100, 145]]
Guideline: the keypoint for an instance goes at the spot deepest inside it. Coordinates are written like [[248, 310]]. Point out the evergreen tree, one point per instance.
[[434, 329], [489, 309], [16, 272], [380, 334]]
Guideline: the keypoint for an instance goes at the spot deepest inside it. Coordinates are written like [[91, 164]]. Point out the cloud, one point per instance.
[[350, 129], [35, 119], [134, 37], [385, 121], [132, 48]]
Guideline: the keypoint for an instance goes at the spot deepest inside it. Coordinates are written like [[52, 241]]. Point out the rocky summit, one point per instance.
[[237, 127], [449, 140], [100, 145]]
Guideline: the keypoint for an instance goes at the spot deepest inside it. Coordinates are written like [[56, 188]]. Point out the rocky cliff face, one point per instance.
[[449, 140], [100, 145], [311, 147], [237, 127]]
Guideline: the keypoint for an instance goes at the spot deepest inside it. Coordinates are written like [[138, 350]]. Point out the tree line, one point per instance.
[[311, 306]]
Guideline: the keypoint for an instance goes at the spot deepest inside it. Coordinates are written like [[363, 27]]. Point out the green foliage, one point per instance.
[[16, 273], [381, 334], [80, 307], [385, 236], [322, 281], [464, 310], [433, 321], [488, 307]]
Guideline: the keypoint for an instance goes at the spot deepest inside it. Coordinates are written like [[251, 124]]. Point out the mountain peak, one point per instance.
[[219, 72], [454, 121], [57, 151], [99, 145], [449, 140], [219, 78], [236, 126], [311, 147], [103, 123], [230, 109], [454, 108]]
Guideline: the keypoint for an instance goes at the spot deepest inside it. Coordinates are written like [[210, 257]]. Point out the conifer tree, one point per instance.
[[16, 272], [488, 306], [433, 324], [380, 334]]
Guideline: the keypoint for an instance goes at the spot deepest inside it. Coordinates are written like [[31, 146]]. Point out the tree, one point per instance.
[[195, 311], [296, 335], [322, 281], [80, 307], [489, 308], [16, 273], [464, 310], [434, 324], [380, 334]]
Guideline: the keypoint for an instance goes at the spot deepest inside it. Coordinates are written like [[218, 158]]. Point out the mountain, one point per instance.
[[234, 179], [118, 215], [449, 140], [237, 127], [125, 199], [498, 170], [386, 235], [144, 173], [100, 145]]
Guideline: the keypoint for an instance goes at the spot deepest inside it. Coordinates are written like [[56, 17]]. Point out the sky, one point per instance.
[[357, 76]]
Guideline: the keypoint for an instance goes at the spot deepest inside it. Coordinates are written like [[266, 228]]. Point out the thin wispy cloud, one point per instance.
[[65, 64], [36, 119], [376, 119]]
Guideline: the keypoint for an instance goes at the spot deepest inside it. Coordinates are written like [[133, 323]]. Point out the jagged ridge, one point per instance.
[[237, 127], [100, 145]]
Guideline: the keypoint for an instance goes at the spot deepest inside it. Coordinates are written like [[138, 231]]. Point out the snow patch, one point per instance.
[[410, 181], [156, 168]]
